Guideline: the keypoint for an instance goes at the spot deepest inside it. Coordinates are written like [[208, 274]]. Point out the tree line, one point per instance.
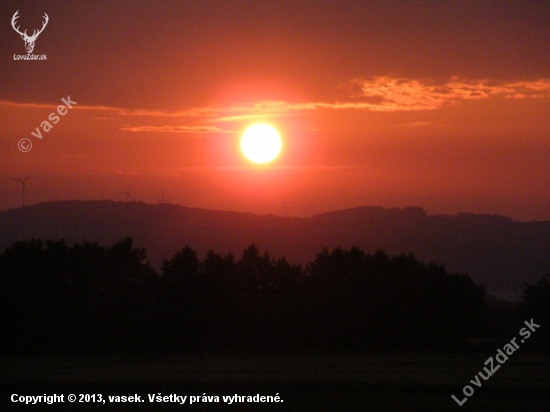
[[87, 297]]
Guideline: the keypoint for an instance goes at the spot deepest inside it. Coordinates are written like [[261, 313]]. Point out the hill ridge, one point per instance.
[[493, 249]]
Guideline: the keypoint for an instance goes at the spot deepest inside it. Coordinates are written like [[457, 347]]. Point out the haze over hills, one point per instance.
[[494, 250]]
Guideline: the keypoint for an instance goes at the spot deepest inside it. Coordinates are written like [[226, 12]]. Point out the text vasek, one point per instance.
[[53, 117]]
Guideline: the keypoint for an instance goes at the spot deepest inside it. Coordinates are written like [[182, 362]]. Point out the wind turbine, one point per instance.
[[127, 193], [163, 199], [285, 207], [24, 186]]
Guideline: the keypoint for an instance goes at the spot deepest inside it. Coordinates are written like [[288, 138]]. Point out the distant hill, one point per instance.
[[494, 250]]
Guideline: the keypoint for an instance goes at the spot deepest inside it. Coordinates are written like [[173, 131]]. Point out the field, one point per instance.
[[312, 382]]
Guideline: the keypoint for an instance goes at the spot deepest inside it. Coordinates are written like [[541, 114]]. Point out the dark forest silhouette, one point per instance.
[[87, 297]]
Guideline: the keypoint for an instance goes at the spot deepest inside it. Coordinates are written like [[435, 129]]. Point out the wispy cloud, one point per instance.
[[378, 94], [120, 111], [415, 124], [240, 118], [396, 94], [176, 129]]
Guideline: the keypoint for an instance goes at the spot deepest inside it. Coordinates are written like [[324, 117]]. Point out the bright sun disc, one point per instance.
[[261, 143]]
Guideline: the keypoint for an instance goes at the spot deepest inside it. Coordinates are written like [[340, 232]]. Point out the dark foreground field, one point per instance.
[[383, 382]]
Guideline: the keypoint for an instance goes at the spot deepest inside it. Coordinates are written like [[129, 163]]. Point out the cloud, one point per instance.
[[240, 118], [176, 129], [120, 111], [415, 124], [378, 94], [390, 94]]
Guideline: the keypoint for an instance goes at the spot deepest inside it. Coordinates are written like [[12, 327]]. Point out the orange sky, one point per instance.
[[442, 105]]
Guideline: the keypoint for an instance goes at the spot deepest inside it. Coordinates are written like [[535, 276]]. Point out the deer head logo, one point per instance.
[[29, 40]]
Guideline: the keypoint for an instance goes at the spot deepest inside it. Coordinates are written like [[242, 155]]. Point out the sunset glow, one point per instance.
[[377, 103]]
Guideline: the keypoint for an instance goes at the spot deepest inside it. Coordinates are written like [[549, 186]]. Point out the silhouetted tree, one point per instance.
[[537, 307], [368, 300], [183, 299], [55, 298], [34, 293], [222, 299]]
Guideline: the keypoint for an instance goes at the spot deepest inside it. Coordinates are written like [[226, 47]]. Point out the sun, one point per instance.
[[261, 143]]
